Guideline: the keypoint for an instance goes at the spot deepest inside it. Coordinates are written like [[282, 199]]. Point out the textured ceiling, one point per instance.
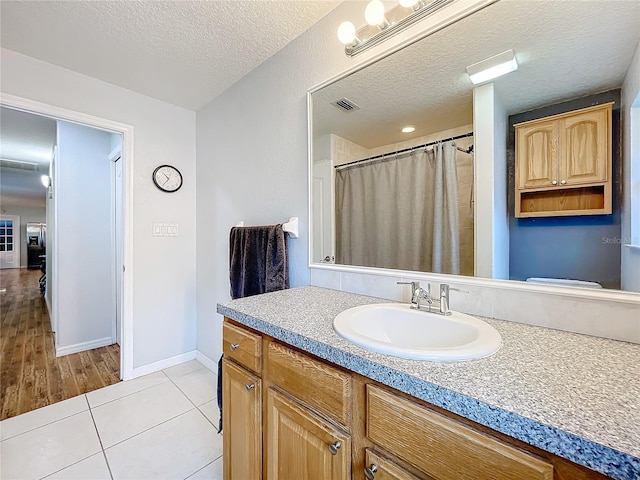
[[28, 138], [182, 52], [565, 49]]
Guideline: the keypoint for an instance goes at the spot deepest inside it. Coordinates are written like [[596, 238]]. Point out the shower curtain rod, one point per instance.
[[405, 150]]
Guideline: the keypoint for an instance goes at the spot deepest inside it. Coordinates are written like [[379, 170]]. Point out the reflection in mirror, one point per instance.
[[415, 200]]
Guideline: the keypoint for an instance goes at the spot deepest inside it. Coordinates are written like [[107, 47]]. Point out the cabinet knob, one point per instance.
[[370, 471], [250, 386], [334, 447], [233, 346], [563, 182], [555, 182]]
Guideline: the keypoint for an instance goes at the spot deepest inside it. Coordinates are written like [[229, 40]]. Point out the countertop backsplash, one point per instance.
[[617, 320]]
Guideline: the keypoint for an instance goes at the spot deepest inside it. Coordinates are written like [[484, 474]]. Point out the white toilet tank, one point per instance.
[[564, 282]]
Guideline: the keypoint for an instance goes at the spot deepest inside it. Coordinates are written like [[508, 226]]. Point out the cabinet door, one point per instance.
[[380, 468], [584, 147], [242, 423], [537, 155], [300, 445]]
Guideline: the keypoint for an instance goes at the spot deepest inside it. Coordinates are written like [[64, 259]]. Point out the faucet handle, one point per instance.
[[445, 288], [414, 285]]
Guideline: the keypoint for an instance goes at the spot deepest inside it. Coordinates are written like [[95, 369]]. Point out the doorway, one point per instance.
[[125, 234]]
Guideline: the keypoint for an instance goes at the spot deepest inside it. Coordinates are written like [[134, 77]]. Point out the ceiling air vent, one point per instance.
[[18, 165], [346, 104]]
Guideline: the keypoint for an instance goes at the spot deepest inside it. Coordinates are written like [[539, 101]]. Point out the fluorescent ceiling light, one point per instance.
[[492, 67]]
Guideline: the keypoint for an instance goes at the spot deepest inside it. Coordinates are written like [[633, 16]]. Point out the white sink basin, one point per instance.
[[396, 329]]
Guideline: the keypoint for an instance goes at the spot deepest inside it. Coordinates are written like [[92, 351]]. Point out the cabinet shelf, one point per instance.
[[565, 202]]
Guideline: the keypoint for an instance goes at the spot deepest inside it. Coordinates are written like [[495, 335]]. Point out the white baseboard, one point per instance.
[[207, 362], [162, 364], [81, 347]]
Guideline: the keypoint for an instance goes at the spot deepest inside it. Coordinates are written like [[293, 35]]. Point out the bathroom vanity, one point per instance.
[[302, 402]]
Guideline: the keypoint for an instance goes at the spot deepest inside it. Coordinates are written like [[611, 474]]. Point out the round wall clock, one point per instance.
[[167, 178]]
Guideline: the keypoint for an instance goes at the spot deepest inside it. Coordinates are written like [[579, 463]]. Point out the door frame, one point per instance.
[[58, 113]]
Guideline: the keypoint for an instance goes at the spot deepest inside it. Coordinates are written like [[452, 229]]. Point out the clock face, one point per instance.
[[167, 178]]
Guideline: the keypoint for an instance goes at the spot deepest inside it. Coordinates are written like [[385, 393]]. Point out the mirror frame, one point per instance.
[[454, 12]]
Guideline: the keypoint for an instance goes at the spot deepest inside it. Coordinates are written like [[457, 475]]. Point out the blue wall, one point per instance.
[[583, 247]]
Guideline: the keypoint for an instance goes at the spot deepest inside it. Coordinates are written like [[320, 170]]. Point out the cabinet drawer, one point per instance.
[[381, 468], [242, 346], [321, 386], [442, 447]]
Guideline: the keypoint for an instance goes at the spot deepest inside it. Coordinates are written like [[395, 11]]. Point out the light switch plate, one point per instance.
[[165, 229]]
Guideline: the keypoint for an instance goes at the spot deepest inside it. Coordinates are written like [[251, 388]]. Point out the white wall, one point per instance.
[[27, 214], [491, 226], [630, 260], [252, 166], [252, 155], [85, 291], [164, 296]]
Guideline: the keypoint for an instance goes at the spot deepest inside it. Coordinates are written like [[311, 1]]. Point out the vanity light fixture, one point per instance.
[[492, 67], [46, 180], [408, 129], [382, 25]]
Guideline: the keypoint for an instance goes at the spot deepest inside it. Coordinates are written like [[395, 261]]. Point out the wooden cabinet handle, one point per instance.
[[370, 471], [233, 346], [250, 386], [334, 447]]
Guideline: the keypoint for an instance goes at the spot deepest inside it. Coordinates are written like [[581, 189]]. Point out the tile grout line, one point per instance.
[[151, 428], [104, 453], [200, 469], [42, 424], [129, 394], [197, 407], [82, 459]]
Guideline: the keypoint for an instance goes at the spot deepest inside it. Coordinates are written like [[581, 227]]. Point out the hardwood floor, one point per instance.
[[30, 374]]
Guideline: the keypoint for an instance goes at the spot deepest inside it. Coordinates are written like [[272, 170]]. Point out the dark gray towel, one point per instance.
[[258, 260]]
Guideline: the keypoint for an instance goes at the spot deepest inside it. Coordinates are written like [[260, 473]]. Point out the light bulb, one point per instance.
[[408, 129], [46, 180], [408, 3], [346, 33], [374, 13]]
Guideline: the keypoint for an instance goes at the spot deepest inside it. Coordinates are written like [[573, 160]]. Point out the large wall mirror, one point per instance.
[[367, 209]]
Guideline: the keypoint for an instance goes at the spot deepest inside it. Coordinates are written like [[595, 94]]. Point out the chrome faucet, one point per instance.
[[418, 293]]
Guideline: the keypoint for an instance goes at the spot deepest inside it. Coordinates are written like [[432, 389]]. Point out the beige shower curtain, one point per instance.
[[400, 212]]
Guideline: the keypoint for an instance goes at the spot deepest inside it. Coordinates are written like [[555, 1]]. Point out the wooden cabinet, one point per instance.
[[378, 467], [241, 423], [299, 417], [302, 445], [563, 164], [443, 448]]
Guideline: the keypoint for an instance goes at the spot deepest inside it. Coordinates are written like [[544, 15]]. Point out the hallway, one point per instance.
[[30, 374]]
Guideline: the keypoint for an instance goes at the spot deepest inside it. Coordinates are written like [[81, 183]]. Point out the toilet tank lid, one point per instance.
[[564, 281]]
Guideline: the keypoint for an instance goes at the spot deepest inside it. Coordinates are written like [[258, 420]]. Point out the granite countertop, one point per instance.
[[573, 395]]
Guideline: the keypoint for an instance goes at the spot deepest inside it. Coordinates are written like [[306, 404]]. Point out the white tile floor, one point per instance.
[[160, 426]]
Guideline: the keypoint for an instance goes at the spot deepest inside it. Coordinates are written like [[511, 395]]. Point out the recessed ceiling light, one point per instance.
[[408, 129]]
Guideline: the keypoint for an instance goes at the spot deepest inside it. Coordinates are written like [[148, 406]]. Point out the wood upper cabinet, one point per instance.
[[563, 164], [241, 423], [585, 147], [301, 445], [537, 151]]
